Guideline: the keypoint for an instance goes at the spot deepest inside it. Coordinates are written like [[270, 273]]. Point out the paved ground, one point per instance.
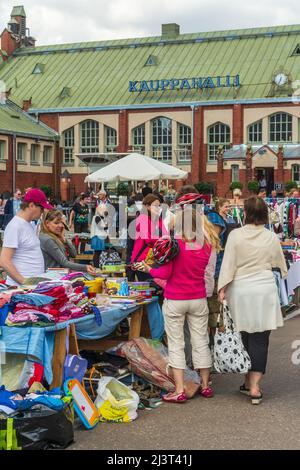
[[227, 421]]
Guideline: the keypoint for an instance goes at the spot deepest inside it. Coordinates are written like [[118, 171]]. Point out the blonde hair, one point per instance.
[[190, 232], [221, 202], [211, 235], [50, 216], [237, 192]]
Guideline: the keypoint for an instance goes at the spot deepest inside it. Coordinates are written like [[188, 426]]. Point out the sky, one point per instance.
[[67, 21]]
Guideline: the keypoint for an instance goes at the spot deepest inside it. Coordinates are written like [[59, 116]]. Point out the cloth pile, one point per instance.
[[13, 403], [50, 302]]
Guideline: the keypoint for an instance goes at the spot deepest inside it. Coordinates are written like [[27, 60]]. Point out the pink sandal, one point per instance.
[[207, 392], [172, 397]]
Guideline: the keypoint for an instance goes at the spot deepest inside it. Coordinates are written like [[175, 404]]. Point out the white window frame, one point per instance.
[[36, 149], [217, 134], [283, 125], [235, 176], [139, 138], [295, 170], [2, 149], [68, 146], [184, 136], [111, 139], [89, 136], [47, 155], [162, 139], [23, 146], [255, 132]]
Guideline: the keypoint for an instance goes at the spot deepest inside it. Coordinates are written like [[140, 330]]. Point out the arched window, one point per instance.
[[110, 139], [255, 133], [234, 173], [138, 139], [89, 137], [280, 127], [184, 151], [296, 173], [162, 139], [218, 134], [68, 143]]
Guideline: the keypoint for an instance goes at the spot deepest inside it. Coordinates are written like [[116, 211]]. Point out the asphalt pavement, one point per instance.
[[226, 421]]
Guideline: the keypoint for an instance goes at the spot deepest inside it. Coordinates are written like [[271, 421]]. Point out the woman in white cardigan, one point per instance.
[[247, 283]]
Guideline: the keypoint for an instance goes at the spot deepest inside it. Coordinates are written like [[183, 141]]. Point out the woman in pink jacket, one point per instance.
[[149, 228], [190, 280]]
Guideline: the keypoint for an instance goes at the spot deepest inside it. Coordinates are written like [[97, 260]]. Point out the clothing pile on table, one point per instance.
[[48, 303]]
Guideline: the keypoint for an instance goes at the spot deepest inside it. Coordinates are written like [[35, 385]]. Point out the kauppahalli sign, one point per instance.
[[200, 83]]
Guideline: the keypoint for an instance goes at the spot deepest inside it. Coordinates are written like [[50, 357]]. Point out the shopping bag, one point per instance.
[[149, 359], [230, 356], [108, 257], [75, 366], [115, 402], [38, 429]]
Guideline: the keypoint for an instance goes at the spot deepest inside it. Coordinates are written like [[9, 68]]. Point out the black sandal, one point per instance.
[[244, 390]]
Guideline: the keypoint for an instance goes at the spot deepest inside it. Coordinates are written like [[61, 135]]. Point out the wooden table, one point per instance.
[[139, 326]]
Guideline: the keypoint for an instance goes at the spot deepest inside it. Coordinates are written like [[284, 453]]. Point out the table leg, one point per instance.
[[135, 323], [59, 356], [73, 343]]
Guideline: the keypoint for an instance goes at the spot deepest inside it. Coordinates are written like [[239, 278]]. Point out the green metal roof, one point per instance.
[[14, 120], [99, 72], [18, 11]]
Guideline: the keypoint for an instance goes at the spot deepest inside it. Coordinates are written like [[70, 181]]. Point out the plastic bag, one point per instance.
[[38, 430], [116, 403], [149, 360]]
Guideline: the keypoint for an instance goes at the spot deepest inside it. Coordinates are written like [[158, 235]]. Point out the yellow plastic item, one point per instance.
[[95, 286]]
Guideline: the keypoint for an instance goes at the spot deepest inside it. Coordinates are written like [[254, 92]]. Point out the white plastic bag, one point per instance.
[[115, 402]]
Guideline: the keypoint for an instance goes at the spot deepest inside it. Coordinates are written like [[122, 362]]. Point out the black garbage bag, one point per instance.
[[38, 430]]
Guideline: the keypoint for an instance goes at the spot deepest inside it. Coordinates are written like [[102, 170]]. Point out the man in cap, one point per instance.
[[21, 255]]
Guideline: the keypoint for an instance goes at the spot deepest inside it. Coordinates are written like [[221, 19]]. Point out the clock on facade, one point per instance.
[[281, 79]]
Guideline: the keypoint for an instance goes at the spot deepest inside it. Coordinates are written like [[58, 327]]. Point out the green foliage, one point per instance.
[[204, 187], [122, 189], [236, 185], [253, 186], [290, 185], [47, 190]]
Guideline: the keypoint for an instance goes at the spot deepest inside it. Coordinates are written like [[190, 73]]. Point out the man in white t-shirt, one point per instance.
[[21, 255]]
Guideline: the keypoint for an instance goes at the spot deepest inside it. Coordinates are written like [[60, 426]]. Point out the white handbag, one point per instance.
[[230, 355]]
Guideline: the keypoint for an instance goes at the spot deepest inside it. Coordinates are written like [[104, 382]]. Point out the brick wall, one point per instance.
[[123, 131], [238, 122], [8, 44]]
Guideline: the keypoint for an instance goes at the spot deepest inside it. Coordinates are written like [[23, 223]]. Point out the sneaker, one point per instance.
[[207, 392], [172, 397]]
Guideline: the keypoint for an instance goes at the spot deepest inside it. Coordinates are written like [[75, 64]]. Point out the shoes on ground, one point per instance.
[[173, 397]]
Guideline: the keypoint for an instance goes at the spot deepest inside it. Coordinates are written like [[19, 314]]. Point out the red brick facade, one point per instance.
[[221, 179]]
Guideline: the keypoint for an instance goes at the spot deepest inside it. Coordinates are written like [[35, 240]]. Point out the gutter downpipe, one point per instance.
[[192, 130], [14, 154]]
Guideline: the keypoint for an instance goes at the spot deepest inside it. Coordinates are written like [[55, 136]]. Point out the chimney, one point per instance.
[[170, 30], [18, 17], [27, 104], [15, 35]]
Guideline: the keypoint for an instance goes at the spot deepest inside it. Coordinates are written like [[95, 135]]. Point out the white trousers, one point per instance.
[[196, 312]]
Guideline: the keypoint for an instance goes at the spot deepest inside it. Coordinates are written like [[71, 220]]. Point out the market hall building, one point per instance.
[[221, 105]]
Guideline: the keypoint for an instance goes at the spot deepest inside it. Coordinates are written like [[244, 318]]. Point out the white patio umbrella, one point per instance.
[[135, 167]]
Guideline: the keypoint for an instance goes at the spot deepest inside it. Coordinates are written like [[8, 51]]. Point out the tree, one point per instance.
[[204, 187], [236, 185], [47, 190], [253, 186], [290, 185], [122, 189]]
